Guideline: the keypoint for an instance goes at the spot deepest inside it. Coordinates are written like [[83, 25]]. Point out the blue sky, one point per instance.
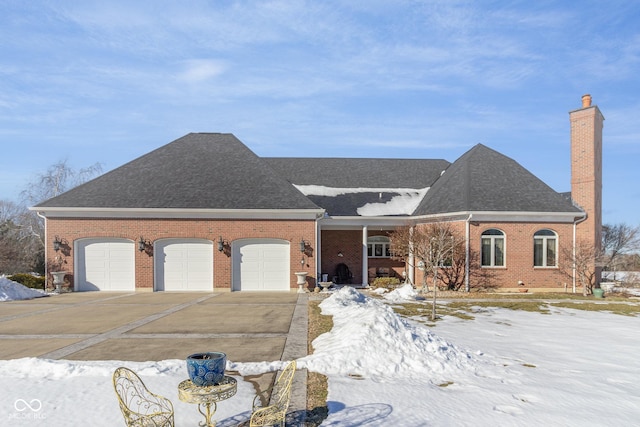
[[108, 81]]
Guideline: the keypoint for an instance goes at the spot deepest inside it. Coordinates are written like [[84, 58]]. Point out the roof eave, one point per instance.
[[506, 216], [176, 213]]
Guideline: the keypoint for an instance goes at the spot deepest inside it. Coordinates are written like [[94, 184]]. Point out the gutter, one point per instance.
[[44, 218]]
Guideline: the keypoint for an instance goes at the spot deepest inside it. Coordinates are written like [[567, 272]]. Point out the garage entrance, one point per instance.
[[261, 265], [183, 265], [105, 264]]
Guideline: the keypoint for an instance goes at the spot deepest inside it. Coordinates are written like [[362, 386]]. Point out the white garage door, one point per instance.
[[105, 265], [183, 265], [261, 265]]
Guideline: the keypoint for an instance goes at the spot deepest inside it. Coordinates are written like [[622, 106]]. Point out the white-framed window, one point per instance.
[[492, 248], [378, 247], [545, 248]]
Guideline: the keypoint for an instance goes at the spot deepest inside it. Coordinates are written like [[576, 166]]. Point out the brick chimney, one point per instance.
[[586, 169]]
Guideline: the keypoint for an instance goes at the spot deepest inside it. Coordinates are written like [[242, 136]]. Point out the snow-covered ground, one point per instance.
[[10, 290], [505, 368]]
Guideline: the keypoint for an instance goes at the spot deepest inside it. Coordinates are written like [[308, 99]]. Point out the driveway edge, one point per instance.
[[295, 347]]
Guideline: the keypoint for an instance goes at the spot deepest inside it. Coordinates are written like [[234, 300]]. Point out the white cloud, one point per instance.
[[199, 70]]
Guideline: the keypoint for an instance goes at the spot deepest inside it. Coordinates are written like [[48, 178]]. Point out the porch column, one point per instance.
[[365, 258]]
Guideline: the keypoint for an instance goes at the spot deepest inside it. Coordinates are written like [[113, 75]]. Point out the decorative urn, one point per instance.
[[58, 279], [302, 280], [206, 369]]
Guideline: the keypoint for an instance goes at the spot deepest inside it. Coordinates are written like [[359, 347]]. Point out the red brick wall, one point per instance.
[[519, 255], [347, 242], [586, 171], [72, 229]]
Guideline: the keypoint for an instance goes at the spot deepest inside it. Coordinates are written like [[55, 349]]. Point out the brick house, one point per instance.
[[205, 213]]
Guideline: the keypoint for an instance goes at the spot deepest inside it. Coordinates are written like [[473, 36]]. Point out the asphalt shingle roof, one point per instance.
[[484, 180], [356, 172], [217, 171], [197, 171], [381, 175]]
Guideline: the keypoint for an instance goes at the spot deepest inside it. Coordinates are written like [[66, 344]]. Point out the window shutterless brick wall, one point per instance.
[[72, 229], [519, 255]]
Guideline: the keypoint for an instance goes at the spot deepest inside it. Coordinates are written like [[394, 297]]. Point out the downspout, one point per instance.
[[467, 253], [46, 273], [573, 267], [318, 252]]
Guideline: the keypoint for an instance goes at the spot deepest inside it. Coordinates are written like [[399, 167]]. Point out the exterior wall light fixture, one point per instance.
[[221, 244], [59, 243], [142, 244], [56, 243]]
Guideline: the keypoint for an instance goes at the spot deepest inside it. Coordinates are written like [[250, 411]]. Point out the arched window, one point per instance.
[[378, 247], [492, 248], [545, 248]]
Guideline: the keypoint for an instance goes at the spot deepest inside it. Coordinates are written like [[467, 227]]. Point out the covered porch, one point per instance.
[[358, 253]]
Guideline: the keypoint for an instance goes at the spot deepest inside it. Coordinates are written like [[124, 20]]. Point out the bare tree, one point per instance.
[[57, 179], [432, 246], [453, 276], [617, 241], [22, 231], [579, 264], [19, 249], [401, 243]]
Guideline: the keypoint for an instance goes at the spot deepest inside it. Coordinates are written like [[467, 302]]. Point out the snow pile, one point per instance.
[[403, 293], [11, 291], [47, 369], [630, 291], [370, 340]]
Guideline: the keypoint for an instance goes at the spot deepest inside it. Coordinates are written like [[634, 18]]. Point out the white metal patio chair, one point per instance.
[[275, 412], [140, 407]]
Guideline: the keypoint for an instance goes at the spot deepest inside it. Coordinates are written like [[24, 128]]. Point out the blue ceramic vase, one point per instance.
[[206, 369]]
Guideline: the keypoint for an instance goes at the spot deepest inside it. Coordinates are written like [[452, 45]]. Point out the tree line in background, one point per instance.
[[21, 230]]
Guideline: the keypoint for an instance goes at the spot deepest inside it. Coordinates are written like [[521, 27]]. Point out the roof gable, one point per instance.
[[484, 180], [197, 171]]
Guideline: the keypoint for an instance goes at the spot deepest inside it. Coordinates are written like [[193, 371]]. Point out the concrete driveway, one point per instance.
[[249, 327]]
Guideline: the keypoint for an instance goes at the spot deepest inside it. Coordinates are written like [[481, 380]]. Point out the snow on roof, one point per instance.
[[404, 202]]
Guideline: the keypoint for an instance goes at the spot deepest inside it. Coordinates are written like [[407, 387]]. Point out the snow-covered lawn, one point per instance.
[[505, 368]]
